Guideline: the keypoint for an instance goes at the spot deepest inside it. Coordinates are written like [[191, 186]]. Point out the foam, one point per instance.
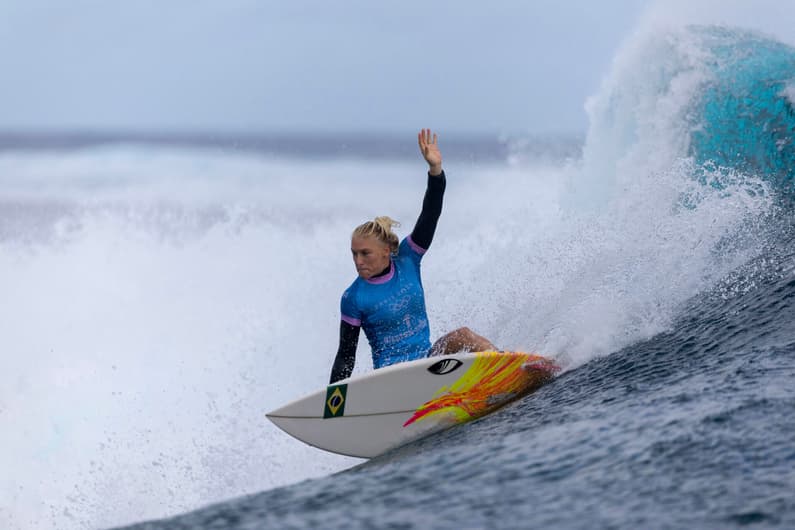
[[789, 92]]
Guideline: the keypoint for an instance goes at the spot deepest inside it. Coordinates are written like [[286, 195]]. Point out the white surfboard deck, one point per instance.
[[370, 414]]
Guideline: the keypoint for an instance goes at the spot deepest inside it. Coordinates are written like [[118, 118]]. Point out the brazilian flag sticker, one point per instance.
[[335, 401]]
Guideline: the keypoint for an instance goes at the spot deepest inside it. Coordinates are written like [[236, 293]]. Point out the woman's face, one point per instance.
[[370, 256]]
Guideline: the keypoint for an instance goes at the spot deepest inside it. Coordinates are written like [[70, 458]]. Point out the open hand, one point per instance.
[[429, 148]]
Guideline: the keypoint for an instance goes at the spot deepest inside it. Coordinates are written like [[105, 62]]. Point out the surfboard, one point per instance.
[[367, 415]]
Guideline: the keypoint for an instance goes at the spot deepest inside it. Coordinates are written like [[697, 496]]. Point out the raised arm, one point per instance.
[[425, 228]]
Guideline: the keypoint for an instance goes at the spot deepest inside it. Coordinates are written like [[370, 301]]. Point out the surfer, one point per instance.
[[387, 299]]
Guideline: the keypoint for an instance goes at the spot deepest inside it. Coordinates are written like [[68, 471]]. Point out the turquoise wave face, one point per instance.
[[745, 119]]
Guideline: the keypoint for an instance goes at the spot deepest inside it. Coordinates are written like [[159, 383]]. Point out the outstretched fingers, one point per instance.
[[425, 139], [429, 147]]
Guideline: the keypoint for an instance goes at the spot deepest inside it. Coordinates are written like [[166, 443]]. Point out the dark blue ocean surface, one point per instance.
[[694, 428]]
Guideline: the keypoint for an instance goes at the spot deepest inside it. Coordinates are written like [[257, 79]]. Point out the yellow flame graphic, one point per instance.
[[492, 380]]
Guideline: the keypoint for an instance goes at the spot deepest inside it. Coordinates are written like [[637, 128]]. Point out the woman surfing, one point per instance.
[[387, 299]]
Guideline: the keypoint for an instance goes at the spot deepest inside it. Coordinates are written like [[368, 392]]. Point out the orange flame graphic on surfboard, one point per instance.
[[491, 381]]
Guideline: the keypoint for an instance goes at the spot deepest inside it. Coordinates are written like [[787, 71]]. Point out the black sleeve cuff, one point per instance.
[[437, 182]]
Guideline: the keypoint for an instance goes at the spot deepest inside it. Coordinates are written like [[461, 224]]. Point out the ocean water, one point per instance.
[[161, 294]]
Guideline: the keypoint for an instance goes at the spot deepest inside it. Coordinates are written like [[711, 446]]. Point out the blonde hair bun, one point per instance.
[[381, 229], [386, 223]]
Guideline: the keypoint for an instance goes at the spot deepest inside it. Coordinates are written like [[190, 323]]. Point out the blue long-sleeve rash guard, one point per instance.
[[391, 306]]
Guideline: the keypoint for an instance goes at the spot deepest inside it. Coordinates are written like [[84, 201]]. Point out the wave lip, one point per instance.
[[720, 97], [746, 116]]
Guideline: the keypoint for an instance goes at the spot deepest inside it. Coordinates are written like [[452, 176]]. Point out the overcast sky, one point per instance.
[[323, 65]]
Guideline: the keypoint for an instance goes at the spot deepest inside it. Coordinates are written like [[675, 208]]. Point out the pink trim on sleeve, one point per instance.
[[415, 247], [352, 321]]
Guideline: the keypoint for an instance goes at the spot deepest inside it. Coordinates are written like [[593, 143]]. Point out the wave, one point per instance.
[[719, 96], [747, 118]]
